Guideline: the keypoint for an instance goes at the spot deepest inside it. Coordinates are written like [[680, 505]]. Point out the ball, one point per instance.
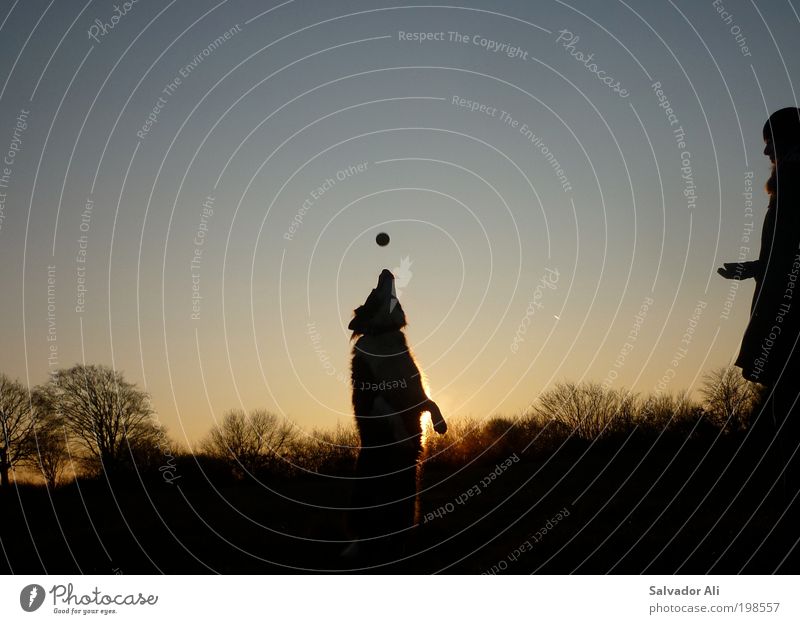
[[382, 239]]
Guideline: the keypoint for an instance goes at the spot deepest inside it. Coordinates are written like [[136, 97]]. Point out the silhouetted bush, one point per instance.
[[659, 412], [729, 398], [588, 410], [252, 443], [469, 439], [331, 452], [90, 413]]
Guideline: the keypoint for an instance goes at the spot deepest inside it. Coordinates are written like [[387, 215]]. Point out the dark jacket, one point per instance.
[[770, 341]]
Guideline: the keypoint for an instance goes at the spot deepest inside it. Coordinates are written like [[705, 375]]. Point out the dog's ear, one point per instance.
[[363, 314], [357, 322]]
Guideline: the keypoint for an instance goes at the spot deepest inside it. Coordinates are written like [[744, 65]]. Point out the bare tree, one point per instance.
[[49, 453], [104, 415], [152, 448], [729, 397], [588, 409], [51, 457], [16, 426], [663, 410], [326, 451], [251, 441]]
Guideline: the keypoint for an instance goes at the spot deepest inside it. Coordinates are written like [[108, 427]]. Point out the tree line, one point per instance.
[[86, 417], [89, 420]]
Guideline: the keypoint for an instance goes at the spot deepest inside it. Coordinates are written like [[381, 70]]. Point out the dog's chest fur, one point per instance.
[[387, 388]]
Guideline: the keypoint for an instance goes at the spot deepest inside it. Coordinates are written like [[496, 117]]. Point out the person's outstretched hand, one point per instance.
[[738, 270]]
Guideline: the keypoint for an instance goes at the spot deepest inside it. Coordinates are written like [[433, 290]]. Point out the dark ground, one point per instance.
[[635, 504]]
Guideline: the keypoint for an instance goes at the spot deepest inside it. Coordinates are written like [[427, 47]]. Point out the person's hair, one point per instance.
[[783, 127]]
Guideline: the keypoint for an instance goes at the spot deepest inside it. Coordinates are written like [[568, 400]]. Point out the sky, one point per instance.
[[190, 193]]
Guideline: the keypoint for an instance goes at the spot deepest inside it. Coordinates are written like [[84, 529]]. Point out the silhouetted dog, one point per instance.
[[388, 400]]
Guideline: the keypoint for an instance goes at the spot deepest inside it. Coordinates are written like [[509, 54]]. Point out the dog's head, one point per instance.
[[381, 311]]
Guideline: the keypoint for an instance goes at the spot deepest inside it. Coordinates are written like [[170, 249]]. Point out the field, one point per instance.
[[511, 497]]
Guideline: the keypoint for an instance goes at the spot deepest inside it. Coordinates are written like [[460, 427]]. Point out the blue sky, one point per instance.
[[326, 111]]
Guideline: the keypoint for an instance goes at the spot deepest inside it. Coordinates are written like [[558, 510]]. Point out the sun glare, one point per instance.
[[425, 418]]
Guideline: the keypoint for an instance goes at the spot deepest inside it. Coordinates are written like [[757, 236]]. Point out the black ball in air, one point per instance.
[[382, 239]]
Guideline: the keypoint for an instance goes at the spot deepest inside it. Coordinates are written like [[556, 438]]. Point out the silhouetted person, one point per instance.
[[388, 400], [770, 350]]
